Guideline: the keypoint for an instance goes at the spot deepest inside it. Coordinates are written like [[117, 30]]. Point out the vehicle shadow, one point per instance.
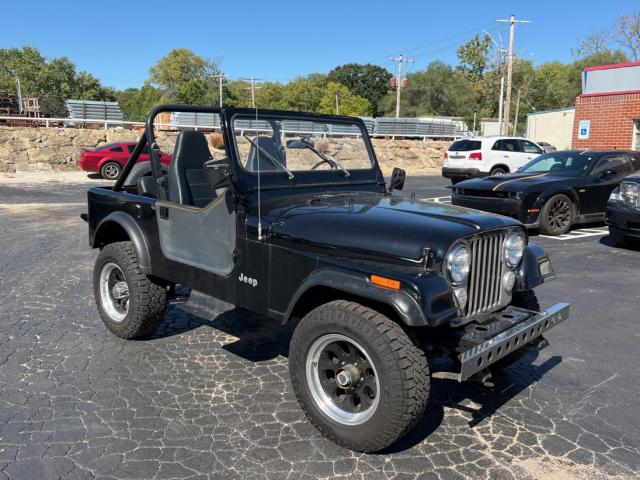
[[631, 246], [256, 338], [534, 232]]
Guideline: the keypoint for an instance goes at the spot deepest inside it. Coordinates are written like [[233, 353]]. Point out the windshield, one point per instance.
[[290, 145], [560, 163]]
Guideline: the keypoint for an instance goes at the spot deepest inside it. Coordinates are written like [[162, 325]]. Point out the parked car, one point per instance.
[[546, 147], [554, 191], [109, 159], [483, 156], [303, 226], [623, 211]]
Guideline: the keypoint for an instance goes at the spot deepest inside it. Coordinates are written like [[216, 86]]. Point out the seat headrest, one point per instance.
[[191, 150]]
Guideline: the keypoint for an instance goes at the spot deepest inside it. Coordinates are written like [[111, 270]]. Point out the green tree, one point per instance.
[[368, 81], [137, 102], [473, 55], [348, 104], [185, 77]]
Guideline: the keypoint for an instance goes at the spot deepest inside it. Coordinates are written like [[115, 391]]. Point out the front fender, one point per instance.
[[535, 268], [132, 229], [407, 303]]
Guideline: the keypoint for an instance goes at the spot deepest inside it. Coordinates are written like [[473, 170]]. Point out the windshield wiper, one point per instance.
[[334, 163], [273, 160]]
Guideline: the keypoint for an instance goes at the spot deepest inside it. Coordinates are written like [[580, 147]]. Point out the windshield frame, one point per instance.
[[564, 173], [248, 179]]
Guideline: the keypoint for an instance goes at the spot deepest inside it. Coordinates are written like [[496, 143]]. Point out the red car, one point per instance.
[[109, 159]]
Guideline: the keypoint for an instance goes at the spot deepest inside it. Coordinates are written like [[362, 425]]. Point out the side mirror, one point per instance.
[[217, 173], [300, 143], [398, 177], [610, 172]]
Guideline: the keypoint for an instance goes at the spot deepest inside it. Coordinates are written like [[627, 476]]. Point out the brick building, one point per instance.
[[607, 112]]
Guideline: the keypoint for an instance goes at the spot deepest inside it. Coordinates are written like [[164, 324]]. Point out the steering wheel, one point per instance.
[[333, 164]]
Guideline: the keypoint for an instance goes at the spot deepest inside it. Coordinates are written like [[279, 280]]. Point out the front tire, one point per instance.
[[358, 376], [130, 304], [557, 215]]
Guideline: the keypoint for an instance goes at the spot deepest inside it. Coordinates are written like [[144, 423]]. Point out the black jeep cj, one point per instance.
[[294, 221]]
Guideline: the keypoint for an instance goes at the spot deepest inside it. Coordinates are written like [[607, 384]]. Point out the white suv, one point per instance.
[[482, 156]]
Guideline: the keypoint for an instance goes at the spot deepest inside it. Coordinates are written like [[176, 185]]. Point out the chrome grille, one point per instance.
[[485, 292]]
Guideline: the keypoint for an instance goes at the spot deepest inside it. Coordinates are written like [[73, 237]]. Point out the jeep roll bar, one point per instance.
[[149, 138]]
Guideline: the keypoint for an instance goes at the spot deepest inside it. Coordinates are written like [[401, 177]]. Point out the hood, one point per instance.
[[634, 177], [374, 225], [514, 182]]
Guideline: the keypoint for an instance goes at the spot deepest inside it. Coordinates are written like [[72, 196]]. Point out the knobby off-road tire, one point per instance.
[[130, 304], [557, 215], [528, 300], [390, 378]]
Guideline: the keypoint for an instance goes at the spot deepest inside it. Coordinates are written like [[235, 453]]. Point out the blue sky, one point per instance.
[[118, 41]]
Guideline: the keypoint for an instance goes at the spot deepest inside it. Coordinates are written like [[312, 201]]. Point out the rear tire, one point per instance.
[[110, 171], [130, 304], [359, 378], [528, 300], [498, 171], [556, 217]]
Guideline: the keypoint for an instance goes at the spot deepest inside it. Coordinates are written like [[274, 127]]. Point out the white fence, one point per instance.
[[378, 127]]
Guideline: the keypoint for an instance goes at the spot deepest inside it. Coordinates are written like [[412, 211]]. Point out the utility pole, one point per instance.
[[337, 104], [500, 103], [19, 94], [400, 60], [220, 79], [515, 120], [253, 91], [512, 31]]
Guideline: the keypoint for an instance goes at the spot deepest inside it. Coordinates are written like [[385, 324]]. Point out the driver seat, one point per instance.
[[186, 179]]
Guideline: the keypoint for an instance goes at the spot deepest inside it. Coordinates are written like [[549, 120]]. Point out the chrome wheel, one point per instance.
[[559, 214], [114, 292], [342, 379], [111, 171]]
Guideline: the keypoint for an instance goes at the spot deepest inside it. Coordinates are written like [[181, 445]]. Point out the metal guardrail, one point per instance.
[[376, 127]]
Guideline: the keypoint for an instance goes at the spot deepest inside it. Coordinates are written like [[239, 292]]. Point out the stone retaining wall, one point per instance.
[[53, 149]]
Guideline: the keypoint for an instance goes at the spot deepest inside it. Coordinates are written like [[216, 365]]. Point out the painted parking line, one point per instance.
[[439, 199], [579, 233]]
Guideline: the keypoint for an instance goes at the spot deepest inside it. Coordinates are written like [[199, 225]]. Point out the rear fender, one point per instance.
[[110, 230]]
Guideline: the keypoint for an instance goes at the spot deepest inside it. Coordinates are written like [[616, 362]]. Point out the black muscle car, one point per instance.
[[554, 191], [623, 211]]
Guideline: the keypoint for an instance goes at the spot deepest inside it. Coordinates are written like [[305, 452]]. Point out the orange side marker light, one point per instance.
[[385, 282]]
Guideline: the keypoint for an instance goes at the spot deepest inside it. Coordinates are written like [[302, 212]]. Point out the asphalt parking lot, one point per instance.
[[212, 398]]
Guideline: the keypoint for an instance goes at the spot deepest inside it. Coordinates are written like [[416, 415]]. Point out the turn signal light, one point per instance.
[[385, 282], [475, 156]]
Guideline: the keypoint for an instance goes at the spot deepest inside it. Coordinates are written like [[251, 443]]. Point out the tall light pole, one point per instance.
[[512, 32], [400, 60]]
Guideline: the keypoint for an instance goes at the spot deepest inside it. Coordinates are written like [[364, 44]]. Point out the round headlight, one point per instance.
[[458, 263], [514, 249]]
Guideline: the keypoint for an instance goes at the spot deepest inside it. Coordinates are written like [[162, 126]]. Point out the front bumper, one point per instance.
[[449, 172], [623, 218], [510, 330]]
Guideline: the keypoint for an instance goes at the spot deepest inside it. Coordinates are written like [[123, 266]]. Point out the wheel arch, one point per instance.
[[121, 227], [499, 165], [330, 284]]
